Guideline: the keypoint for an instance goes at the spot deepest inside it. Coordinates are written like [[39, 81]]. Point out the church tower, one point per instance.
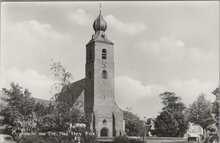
[[105, 117]]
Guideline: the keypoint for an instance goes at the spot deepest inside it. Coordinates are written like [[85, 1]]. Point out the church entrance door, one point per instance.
[[104, 132]]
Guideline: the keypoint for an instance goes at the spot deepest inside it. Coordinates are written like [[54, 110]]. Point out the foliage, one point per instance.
[[182, 123], [171, 122], [64, 112], [171, 102], [215, 107], [214, 137], [132, 140], [121, 139], [52, 139], [40, 109], [133, 125], [200, 112], [61, 74], [21, 110], [19, 106], [125, 139], [165, 125], [46, 117]]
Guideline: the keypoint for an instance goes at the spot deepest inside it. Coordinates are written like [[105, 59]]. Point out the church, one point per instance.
[[97, 89]]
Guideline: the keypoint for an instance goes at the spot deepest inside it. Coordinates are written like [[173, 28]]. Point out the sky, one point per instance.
[[159, 46]]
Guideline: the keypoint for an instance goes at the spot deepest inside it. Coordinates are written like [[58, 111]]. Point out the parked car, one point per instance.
[[6, 139]]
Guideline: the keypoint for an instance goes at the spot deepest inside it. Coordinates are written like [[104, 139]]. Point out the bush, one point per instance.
[[125, 139], [135, 141], [121, 139], [53, 139]]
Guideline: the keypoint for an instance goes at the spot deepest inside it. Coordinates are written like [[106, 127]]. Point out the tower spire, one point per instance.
[[100, 6], [100, 24]]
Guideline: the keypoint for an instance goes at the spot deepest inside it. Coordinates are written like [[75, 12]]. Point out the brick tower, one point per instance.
[[106, 119]]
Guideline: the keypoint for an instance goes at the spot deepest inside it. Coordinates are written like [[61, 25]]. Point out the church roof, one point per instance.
[[77, 87]]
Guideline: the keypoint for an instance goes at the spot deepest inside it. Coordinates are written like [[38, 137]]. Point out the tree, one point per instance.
[[215, 116], [61, 74], [166, 125], [182, 123], [200, 113], [171, 102], [65, 97], [19, 106], [215, 107], [171, 119], [134, 126], [42, 111], [27, 104]]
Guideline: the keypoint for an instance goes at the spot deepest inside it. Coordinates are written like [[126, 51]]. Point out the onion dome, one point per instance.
[[100, 24]]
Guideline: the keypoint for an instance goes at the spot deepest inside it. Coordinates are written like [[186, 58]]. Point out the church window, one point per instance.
[[104, 132], [90, 54], [113, 125], [104, 74], [89, 74], [104, 54], [104, 121], [94, 123]]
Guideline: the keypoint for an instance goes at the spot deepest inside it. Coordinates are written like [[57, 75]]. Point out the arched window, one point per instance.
[[104, 74], [104, 54], [113, 125], [94, 123], [90, 54], [104, 132], [89, 74]]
